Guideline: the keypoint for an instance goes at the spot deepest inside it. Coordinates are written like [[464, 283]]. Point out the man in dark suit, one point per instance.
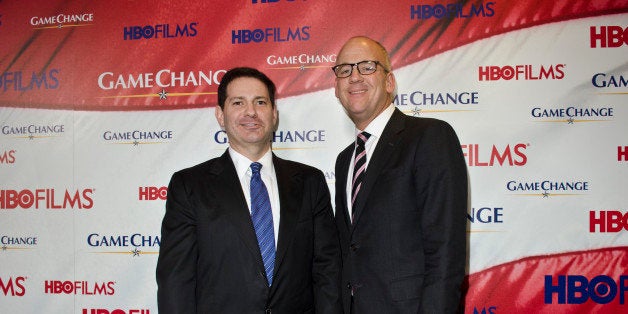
[[401, 196], [218, 249]]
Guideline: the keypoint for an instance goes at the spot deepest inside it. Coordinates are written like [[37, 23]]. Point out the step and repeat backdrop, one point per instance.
[[101, 101]]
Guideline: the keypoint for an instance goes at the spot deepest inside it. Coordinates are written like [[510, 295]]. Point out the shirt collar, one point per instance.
[[376, 127], [243, 164]]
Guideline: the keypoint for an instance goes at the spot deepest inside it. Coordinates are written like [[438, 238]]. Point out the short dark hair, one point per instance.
[[244, 72]]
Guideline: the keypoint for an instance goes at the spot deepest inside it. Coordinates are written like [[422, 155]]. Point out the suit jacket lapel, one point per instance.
[[385, 146], [229, 191], [289, 183], [344, 159]]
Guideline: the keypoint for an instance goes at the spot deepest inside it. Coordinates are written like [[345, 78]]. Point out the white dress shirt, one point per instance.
[[375, 128], [243, 168]]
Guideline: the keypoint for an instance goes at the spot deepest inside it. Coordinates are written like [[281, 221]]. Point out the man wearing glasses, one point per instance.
[[401, 196]]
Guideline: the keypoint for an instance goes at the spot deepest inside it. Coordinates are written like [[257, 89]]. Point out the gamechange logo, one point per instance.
[[137, 137], [62, 20], [486, 215], [32, 131], [134, 244], [287, 139], [573, 114], [605, 84], [486, 219], [17, 243], [162, 84], [548, 188], [301, 61], [430, 102]]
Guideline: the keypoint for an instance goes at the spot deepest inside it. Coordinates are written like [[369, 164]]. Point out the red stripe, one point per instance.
[[519, 286], [81, 54]]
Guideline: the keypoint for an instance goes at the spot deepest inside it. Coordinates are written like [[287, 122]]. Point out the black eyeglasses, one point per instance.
[[364, 67]]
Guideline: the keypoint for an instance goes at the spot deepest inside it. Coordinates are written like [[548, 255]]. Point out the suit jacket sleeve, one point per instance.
[[326, 263], [176, 265], [443, 223]]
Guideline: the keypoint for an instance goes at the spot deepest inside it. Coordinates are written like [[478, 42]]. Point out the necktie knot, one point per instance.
[[256, 167], [362, 138]]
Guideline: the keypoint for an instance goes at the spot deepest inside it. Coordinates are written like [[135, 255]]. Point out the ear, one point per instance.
[[275, 118], [220, 116], [391, 83]]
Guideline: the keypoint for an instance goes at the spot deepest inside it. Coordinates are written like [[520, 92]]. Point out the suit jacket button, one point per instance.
[[353, 247], [351, 288]]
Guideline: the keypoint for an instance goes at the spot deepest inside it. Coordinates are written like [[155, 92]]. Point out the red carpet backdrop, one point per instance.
[[101, 101]]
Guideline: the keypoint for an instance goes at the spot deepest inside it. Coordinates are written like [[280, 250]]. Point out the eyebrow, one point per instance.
[[243, 98]]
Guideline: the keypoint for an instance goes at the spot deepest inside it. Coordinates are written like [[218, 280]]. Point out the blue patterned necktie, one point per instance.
[[262, 217]]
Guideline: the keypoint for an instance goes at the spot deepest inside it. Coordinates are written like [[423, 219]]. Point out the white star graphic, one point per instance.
[[163, 94], [416, 111]]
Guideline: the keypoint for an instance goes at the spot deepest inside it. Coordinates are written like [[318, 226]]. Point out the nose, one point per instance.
[[355, 74], [250, 109]]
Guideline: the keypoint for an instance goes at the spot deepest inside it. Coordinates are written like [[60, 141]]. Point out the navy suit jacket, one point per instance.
[[406, 250], [210, 262]]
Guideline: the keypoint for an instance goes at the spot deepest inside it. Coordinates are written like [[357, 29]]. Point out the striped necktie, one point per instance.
[[262, 217], [359, 167]]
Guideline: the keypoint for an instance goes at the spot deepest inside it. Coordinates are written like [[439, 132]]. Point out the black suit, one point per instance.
[[405, 251], [210, 261]]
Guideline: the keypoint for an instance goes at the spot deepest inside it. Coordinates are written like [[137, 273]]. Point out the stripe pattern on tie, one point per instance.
[[262, 217], [359, 167]]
